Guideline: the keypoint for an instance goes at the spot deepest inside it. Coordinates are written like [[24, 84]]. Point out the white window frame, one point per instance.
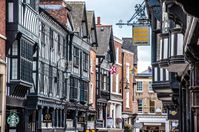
[[127, 72], [14, 68], [161, 74], [127, 99], [150, 86], [172, 44], [117, 83], [161, 49], [91, 93], [166, 45], [117, 55], [139, 87], [167, 75], [180, 38], [155, 74], [10, 12]]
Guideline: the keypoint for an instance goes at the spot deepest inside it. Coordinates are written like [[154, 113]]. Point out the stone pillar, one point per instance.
[[137, 130], [2, 94], [114, 114], [40, 114], [167, 126]]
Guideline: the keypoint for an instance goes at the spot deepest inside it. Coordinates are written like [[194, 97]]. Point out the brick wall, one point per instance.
[[93, 75], [2, 28], [119, 69], [128, 58], [146, 95]]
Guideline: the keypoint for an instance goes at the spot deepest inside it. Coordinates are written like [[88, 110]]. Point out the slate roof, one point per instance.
[[77, 12], [128, 45], [103, 34], [146, 73], [90, 15]]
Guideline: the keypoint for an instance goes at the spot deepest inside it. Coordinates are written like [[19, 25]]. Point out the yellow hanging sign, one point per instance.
[[141, 35]]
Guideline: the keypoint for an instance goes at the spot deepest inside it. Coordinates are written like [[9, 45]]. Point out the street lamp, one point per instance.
[[76, 115], [87, 109], [65, 110], [58, 89], [66, 76]]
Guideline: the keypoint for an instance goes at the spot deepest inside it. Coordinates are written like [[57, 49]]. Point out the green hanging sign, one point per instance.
[[13, 119]]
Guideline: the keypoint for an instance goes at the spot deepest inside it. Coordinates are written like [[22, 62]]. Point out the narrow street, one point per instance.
[[99, 66]]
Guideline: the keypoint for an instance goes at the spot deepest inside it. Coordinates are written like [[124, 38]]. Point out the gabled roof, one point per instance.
[[90, 15], [91, 25], [58, 11], [128, 45], [104, 35], [78, 13], [105, 41], [41, 11]]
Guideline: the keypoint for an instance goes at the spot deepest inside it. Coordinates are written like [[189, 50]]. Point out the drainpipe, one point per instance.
[[122, 85]]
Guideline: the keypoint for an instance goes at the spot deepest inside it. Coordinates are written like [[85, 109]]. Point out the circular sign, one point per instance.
[[125, 116], [173, 113], [13, 119]]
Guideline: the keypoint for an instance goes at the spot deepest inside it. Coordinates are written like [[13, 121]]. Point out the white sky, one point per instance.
[[111, 11]]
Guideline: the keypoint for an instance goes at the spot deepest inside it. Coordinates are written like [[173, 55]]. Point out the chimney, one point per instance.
[[98, 21]]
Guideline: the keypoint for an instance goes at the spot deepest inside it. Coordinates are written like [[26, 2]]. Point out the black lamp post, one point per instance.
[[87, 109], [66, 68], [64, 98]]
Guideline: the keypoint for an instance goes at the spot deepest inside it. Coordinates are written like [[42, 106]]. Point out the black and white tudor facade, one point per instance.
[[49, 65], [22, 29]]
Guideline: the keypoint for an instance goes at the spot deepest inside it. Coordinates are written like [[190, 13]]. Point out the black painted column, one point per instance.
[[26, 120], [53, 118], [57, 117], [39, 117], [61, 118]]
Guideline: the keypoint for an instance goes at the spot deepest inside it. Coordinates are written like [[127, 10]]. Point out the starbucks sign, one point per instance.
[[13, 119]]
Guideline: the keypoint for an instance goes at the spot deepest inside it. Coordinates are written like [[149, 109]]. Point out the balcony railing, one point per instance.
[[28, 18]]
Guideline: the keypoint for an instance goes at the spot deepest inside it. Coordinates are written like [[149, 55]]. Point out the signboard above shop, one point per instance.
[[141, 35]]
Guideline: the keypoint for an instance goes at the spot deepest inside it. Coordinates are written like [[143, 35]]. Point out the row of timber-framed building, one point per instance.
[[55, 69], [175, 59], [53, 64]]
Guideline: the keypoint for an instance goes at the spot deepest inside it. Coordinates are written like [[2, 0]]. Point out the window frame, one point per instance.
[[140, 105], [76, 56], [139, 88], [150, 88], [85, 61]]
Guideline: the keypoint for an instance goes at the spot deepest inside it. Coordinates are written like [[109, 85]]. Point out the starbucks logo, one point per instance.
[[13, 119]]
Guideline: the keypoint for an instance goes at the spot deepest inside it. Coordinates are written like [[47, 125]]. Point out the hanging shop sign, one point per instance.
[[13, 119], [173, 114], [141, 35], [47, 117]]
